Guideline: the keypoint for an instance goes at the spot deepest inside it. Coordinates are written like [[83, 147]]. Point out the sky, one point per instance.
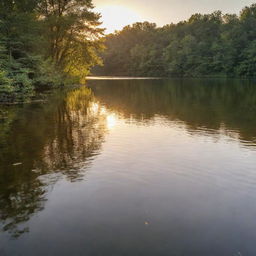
[[118, 13]]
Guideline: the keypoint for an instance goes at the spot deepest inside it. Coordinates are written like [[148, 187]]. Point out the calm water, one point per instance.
[[145, 167]]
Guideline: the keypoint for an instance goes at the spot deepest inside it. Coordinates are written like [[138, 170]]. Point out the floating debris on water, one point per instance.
[[17, 164]]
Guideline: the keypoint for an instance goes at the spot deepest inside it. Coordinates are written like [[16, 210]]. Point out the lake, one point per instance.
[[131, 167]]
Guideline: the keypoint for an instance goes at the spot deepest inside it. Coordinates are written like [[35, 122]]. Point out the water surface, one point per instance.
[[131, 167]]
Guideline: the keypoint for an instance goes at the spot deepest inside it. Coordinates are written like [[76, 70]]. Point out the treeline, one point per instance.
[[205, 45], [46, 43]]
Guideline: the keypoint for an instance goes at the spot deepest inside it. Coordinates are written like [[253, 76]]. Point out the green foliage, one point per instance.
[[5, 83], [204, 45], [46, 44], [73, 37]]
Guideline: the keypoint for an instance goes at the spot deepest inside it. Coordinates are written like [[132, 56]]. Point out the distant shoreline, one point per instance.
[[165, 78], [121, 78]]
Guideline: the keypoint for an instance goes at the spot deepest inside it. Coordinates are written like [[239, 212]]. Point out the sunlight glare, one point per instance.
[[95, 108], [115, 17], [111, 120], [103, 111]]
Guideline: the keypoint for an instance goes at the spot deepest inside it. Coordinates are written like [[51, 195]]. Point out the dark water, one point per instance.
[[131, 168]]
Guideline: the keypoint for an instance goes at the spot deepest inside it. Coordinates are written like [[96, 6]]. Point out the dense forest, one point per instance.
[[46, 43], [204, 45]]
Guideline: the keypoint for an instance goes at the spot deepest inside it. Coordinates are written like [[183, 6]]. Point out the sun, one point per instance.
[[115, 17]]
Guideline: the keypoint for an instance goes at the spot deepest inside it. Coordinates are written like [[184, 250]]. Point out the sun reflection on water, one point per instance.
[[94, 107], [111, 120], [104, 114]]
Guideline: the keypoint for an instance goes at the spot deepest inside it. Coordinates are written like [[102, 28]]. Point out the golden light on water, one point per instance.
[[97, 110], [95, 107], [111, 120], [115, 17], [103, 110]]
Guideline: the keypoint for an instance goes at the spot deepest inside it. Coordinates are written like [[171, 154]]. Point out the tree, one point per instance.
[[204, 45], [18, 33], [73, 34]]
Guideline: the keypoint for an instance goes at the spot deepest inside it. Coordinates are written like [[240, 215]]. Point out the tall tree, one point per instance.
[[73, 34]]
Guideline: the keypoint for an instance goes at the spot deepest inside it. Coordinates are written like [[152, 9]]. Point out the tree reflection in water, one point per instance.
[[48, 141], [61, 138], [202, 105]]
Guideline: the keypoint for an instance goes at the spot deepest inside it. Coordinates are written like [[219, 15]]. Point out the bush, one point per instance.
[[6, 88]]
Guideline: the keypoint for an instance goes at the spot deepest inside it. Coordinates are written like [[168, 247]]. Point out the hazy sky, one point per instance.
[[117, 13]]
